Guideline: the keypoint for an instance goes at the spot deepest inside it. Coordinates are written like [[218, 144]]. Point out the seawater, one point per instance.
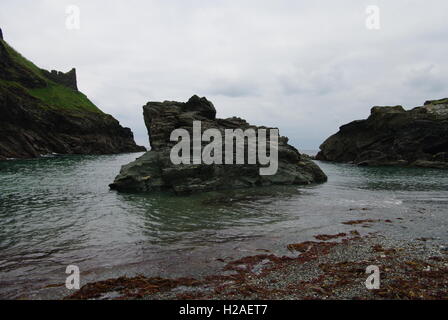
[[59, 211]]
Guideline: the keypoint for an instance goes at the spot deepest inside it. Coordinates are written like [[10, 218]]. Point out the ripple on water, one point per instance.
[[58, 211]]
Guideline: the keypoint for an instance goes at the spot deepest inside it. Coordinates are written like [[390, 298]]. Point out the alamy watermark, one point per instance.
[[73, 19], [373, 280], [234, 147], [373, 20], [73, 280]]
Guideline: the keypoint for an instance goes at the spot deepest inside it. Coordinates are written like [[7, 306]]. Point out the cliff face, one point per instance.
[[393, 136], [155, 171], [43, 112]]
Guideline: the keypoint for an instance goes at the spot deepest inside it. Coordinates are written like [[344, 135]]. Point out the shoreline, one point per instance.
[[223, 233], [322, 270]]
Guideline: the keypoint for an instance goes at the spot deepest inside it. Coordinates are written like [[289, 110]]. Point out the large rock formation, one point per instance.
[[43, 112], [393, 136], [155, 171]]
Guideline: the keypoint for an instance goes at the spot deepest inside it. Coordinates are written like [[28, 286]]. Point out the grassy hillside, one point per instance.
[[51, 94], [58, 96]]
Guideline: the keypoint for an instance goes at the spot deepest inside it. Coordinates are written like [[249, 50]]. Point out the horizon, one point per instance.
[[261, 65]]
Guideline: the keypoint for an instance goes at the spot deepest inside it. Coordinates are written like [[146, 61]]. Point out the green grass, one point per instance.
[[441, 101], [7, 84], [53, 95], [56, 95], [20, 60]]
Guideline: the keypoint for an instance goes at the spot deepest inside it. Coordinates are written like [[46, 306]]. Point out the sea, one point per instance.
[[58, 211]]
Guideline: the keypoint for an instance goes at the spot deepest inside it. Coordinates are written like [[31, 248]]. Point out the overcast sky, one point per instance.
[[306, 67]]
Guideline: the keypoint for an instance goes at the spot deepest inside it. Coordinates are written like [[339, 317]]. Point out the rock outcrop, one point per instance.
[[154, 171], [393, 136], [67, 79], [43, 112]]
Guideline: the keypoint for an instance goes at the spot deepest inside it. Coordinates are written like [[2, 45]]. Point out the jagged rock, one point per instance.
[[67, 79], [393, 136], [1, 34], [154, 171], [43, 113]]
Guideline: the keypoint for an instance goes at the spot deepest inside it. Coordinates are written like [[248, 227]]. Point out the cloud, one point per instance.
[[306, 67], [426, 77]]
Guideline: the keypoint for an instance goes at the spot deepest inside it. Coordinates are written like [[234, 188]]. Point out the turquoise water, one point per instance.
[[59, 211]]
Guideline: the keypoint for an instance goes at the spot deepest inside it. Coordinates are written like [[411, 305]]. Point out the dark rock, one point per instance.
[[307, 156], [154, 171], [393, 136], [31, 126], [28, 131], [1, 34], [66, 79]]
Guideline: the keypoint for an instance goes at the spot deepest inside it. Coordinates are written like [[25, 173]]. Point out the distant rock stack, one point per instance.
[[1, 34], [393, 136], [155, 171]]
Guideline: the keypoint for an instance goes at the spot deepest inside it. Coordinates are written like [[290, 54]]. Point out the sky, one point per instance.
[[306, 67]]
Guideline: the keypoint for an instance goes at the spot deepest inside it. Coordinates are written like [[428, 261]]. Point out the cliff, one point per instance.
[[43, 112], [155, 171], [393, 136]]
